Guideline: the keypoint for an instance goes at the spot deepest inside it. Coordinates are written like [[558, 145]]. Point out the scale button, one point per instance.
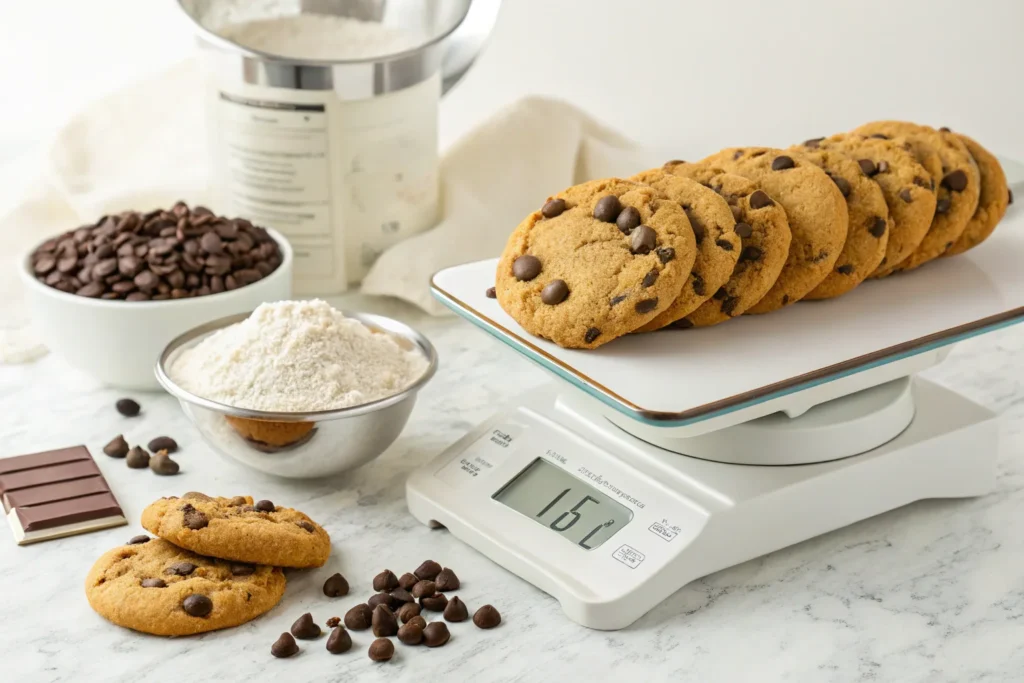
[[663, 531], [629, 556], [482, 456]]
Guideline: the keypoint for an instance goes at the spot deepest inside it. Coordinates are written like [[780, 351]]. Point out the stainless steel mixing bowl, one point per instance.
[[301, 445]]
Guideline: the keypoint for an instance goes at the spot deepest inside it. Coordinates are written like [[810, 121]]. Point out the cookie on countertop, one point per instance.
[[718, 245], [815, 209], [597, 261], [870, 225], [158, 588], [236, 529], [958, 186], [992, 202], [906, 186]]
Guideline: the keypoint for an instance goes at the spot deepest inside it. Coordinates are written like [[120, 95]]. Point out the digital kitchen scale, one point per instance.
[[664, 457]]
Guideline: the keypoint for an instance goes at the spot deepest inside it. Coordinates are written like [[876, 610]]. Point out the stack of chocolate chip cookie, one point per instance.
[[746, 230], [215, 564]]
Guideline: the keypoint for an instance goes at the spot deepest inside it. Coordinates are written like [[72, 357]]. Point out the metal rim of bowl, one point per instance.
[[373, 321], [28, 278]]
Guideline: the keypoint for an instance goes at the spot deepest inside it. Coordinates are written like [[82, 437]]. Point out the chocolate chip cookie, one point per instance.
[[958, 185], [156, 587], [906, 186], [815, 209], [237, 529], [992, 201], [868, 233], [718, 245], [595, 262]]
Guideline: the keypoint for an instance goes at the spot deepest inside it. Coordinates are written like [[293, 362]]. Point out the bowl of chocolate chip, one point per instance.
[[108, 296]]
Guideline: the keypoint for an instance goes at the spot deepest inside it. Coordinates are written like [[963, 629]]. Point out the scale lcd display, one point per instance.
[[565, 504]]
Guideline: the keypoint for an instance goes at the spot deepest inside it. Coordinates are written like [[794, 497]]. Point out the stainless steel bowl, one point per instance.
[[301, 445]]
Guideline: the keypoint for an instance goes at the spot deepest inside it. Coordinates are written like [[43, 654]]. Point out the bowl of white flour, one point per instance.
[[298, 389]]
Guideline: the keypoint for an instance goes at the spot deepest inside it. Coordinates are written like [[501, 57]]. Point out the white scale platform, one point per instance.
[[672, 455]]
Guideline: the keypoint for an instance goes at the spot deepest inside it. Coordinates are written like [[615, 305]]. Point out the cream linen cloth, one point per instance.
[[139, 148]]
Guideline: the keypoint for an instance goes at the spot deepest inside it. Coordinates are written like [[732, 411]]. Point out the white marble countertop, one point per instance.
[[930, 592]]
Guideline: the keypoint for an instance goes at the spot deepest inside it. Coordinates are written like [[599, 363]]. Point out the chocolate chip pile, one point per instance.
[[394, 610], [137, 457], [163, 254]]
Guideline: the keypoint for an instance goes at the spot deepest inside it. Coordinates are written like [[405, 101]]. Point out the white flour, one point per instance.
[[319, 36], [296, 356]]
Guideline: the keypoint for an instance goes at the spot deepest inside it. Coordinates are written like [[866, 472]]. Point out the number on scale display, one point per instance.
[[568, 506]]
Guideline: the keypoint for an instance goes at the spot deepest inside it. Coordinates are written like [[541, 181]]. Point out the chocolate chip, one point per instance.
[[418, 620], [196, 495], [401, 596], [955, 180], [650, 278], [737, 154], [408, 611], [238, 500], [424, 588], [306, 526], [876, 226], [737, 211], [487, 617], [265, 506], [358, 618], [785, 299], [906, 195], [554, 292], [681, 324], [942, 206], [181, 569], [162, 443], [813, 143], [695, 224], [195, 520], [428, 570], [843, 184], [607, 208], [436, 634], [526, 267], [491, 293], [627, 220], [642, 240], [646, 305], [750, 253], [617, 299], [305, 628], [333, 622], [385, 581], [136, 540], [339, 641], [411, 634], [945, 129], [553, 208], [879, 136], [759, 199], [407, 581], [698, 285], [154, 583], [285, 646], [197, 605], [724, 244], [883, 166], [127, 407], [239, 569], [335, 586], [378, 599], [782, 163], [162, 464], [720, 293], [591, 334], [435, 603], [868, 167], [456, 610], [845, 269], [381, 650], [447, 580], [1009, 193], [923, 182], [729, 305], [384, 622], [117, 448], [665, 254], [743, 230]]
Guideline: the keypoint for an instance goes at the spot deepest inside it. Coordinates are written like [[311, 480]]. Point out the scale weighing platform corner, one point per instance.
[[664, 457]]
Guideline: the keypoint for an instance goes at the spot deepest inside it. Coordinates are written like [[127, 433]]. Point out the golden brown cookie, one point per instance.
[[906, 186], [992, 202], [958, 186], [814, 207], [718, 245], [868, 233], [236, 529], [596, 262], [156, 587]]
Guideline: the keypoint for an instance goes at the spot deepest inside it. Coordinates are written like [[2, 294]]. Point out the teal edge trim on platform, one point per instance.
[[611, 403]]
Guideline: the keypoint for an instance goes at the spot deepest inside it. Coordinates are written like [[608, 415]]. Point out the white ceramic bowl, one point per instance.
[[119, 342]]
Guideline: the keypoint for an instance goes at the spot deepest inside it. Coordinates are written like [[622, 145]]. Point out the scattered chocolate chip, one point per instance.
[[305, 628], [591, 334], [424, 588], [195, 495], [127, 407], [197, 605], [487, 617], [401, 596], [238, 500], [428, 570], [607, 208], [813, 143], [381, 650], [378, 599], [617, 299], [407, 581], [955, 180], [650, 278], [154, 583], [744, 230], [303, 524], [553, 208], [526, 267], [385, 581], [782, 163], [554, 292], [491, 293], [384, 622], [843, 184], [358, 618], [697, 282], [265, 506], [845, 269], [335, 586], [665, 254], [411, 634], [138, 458], [333, 622], [240, 569], [137, 540], [883, 166], [162, 443], [759, 199], [339, 641], [646, 305], [877, 226], [750, 253], [117, 448], [627, 220], [418, 619], [725, 245], [195, 520], [681, 324], [436, 634], [435, 603], [181, 569], [456, 610], [868, 167], [285, 646], [642, 240], [942, 206], [408, 611], [162, 464], [906, 195]]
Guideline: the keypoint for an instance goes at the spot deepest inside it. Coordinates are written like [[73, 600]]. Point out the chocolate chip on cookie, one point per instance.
[[906, 195], [197, 605], [642, 240], [627, 220], [868, 167], [554, 292], [607, 209], [305, 526], [194, 519], [180, 569], [750, 253], [813, 143], [955, 180], [265, 506], [942, 206], [137, 540], [553, 208], [526, 267], [744, 230], [154, 583], [877, 226], [646, 305], [842, 183], [845, 269], [759, 199], [781, 163], [665, 254]]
